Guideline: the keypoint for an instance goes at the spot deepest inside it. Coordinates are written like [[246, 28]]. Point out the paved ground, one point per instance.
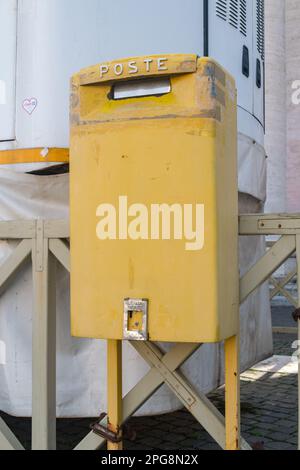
[[268, 404], [282, 315]]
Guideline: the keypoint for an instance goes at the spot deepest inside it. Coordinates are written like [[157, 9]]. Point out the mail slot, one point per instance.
[[154, 214]]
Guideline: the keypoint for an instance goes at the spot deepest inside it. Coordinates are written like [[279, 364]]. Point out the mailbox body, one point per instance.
[[176, 150]]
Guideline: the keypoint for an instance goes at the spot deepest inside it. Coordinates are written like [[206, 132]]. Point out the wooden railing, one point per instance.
[[45, 242]]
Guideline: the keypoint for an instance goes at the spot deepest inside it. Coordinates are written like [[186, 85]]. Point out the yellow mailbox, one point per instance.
[[154, 213]]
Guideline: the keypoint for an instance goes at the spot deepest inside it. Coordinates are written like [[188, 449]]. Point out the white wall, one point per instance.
[[8, 27], [283, 116], [293, 110], [275, 140]]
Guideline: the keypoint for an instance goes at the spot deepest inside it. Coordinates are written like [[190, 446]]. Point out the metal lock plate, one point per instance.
[[135, 319]]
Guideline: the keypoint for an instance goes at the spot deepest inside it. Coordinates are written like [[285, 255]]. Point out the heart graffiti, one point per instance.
[[29, 105]]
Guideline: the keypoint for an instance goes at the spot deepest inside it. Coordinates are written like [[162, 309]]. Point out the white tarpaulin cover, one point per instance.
[[252, 168], [81, 363]]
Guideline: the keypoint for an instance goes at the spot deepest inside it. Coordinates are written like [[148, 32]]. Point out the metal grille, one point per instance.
[[243, 17], [260, 14], [234, 12], [221, 9]]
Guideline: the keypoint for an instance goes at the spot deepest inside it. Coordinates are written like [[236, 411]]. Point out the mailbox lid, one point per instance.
[[196, 89]]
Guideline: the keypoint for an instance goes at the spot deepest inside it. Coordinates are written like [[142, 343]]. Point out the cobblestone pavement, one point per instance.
[[268, 408], [282, 315], [283, 344]]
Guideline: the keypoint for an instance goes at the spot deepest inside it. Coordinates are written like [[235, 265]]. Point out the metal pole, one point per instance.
[[232, 393], [114, 390]]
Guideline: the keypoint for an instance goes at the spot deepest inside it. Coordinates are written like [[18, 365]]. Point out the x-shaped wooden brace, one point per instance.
[[279, 288], [36, 241], [164, 369]]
